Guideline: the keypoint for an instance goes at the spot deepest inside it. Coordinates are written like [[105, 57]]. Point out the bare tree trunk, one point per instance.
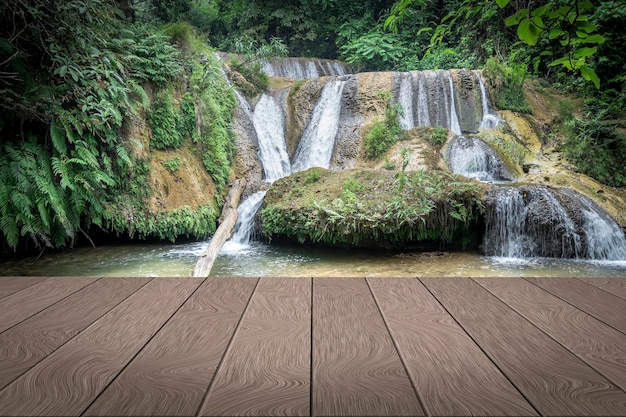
[[228, 219]]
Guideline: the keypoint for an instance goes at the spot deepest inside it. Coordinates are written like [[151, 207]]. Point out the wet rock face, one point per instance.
[[535, 221], [348, 140]]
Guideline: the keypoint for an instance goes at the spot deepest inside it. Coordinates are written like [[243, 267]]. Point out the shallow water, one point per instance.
[[298, 261]]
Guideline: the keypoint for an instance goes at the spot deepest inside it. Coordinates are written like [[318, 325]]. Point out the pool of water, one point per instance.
[[260, 259]]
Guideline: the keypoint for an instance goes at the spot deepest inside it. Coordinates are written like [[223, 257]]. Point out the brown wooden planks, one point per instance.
[[33, 339], [551, 378], [266, 370], [599, 345], [21, 305], [68, 380], [592, 300], [10, 285], [451, 374], [356, 368], [171, 375], [616, 286]]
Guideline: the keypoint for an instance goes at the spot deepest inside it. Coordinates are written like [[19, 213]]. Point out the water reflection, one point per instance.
[[264, 260]]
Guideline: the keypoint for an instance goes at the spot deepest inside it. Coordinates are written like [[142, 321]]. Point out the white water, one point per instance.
[[301, 69], [605, 239], [531, 222], [269, 123], [473, 158], [489, 120], [405, 99], [423, 116], [453, 118], [316, 146], [245, 222]]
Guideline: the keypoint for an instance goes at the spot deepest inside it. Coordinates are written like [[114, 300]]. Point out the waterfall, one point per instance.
[[489, 120], [405, 99], [473, 158], [604, 239], [269, 123], [316, 146], [534, 221], [423, 116], [303, 68], [529, 222], [453, 118], [245, 222]]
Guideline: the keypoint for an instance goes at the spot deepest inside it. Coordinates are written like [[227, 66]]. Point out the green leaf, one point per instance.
[[528, 32], [58, 138], [516, 18], [590, 75], [502, 3], [565, 61], [540, 11], [594, 39], [555, 33], [585, 52]]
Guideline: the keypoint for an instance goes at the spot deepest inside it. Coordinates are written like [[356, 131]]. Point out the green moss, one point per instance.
[[360, 208]]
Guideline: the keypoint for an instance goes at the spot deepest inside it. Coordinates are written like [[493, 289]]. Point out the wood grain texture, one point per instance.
[[554, 380], [356, 368], [31, 300], [266, 370], [599, 345], [10, 285], [35, 338], [453, 377], [171, 375], [616, 286], [68, 380], [592, 300]]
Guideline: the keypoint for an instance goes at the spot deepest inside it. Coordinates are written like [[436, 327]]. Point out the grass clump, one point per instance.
[[384, 133]]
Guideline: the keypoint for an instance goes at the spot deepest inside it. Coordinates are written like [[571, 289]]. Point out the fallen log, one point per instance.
[[228, 219]]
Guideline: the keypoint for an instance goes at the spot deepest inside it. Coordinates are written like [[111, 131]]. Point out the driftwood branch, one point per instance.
[[228, 219]]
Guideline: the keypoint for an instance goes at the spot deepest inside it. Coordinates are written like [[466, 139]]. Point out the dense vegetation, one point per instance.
[[73, 77], [76, 74]]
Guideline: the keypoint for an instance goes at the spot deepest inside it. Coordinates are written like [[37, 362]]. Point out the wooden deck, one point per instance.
[[312, 346]]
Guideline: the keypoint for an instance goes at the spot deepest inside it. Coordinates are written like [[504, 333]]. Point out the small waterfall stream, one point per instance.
[[490, 120], [316, 146], [473, 158], [269, 123]]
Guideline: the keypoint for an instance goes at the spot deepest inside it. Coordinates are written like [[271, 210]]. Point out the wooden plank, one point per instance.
[[10, 285], [35, 338], [553, 379], [68, 380], [592, 300], [356, 369], [171, 375], [30, 301], [450, 372], [616, 286], [266, 370], [599, 345]]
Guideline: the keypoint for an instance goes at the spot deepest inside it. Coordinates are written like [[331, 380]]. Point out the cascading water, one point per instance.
[[315, 149], [316, 146], [269, 123], [245, 222], [534, 221], [301, 68], [490, 119], [453, 118], [473, 158], [603, 238]]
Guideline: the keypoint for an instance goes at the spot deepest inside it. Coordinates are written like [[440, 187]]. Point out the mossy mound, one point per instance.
[[367, 208]]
